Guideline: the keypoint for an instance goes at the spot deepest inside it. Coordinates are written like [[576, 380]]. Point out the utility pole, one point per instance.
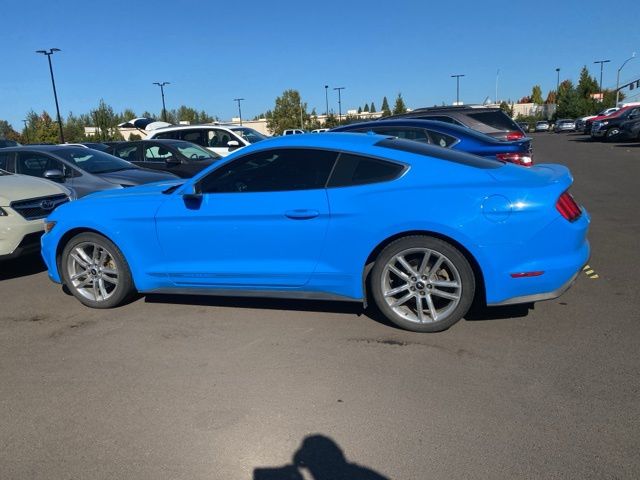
[[164, 110], [48, 53], [497, 76], [239, 110], [326, 100], [339, 89], [457, 77], [633, 55], [25, 130], [601, 62]]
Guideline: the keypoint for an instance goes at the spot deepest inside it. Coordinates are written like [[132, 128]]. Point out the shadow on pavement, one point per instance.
[[628, 145], [21, 267], [323, 459]]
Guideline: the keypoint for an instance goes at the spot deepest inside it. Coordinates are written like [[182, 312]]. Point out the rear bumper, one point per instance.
[[538, 297]]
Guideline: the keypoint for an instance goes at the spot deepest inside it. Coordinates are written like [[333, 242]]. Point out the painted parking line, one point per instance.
[[590, 272]]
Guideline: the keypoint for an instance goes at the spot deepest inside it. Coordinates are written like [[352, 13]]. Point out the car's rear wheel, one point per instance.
[[422, 283], [95, 271], [611, 134]]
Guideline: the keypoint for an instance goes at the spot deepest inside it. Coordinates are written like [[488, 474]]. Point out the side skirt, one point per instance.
[[228, 292]]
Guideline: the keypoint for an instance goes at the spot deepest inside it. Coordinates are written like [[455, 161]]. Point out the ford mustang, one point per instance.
[[421, 230]]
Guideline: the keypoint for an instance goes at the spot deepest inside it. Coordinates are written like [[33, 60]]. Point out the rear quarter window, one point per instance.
[[496, 119], [354, 170]]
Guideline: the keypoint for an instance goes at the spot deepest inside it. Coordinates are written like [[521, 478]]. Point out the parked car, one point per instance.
[[103, 147], [589, 123], [542, 126], [8, 143], [564, 125], [608, 128], [630, 130], [293, 131], [491, 121], [181, 158], [448, 135], [220, 139], [337, 216], [319, 130], [81, 169], [24, 202], [581, 122]]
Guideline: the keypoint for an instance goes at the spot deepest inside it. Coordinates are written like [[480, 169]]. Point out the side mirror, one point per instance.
[[172, 161], [54, 174], [233, 144], [193, 199]]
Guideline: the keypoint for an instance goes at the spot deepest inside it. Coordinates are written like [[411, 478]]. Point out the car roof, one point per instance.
[[45, 148], [201, 126]]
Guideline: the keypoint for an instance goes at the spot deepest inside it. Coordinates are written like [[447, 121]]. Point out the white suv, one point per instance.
[[221, 139], [24, 202]]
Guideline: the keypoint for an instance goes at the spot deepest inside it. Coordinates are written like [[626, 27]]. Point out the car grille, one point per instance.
[[40, 207]]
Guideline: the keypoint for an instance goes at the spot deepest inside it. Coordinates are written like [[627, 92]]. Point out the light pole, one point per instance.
[[48, 53], [339, 89], [497, 76], [239, 110], [26, 130], [164, 110], [326, 101], [601, 62], [633, 55], [457, 77]]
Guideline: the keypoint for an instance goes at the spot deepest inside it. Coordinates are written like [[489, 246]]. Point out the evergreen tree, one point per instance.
[[359, 109], [399, 107], [385, 107], [7, 132], [373, 108], [366, 107], [587, 85], [536, 95]]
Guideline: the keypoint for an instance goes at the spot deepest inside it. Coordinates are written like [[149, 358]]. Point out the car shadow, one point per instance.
[[628, 145], [476, 313], [323, 459], [21, 267]]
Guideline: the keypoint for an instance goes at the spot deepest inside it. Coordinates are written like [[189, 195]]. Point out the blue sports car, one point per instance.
[[419, 229], [448, 135]]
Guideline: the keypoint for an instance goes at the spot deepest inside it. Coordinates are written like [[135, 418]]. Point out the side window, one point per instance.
[[408, 133], [195, 135], [156, 153], [272, 170], [127, 152], [219, 138], [35, 164], [441, 139], [4, 160], [357, 170], [170, 135]]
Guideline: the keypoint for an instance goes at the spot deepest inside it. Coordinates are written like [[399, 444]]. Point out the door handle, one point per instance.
[[301, 214]]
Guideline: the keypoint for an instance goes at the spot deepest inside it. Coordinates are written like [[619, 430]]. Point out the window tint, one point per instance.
[[441, 139], [357, 170], [220, 138], [127, 152], [441, 153], [272, 170], [35, 164], [4, 160], [409, 133], [197, 136], [440, 118], [496, 119], [171, 135], [156, 153]]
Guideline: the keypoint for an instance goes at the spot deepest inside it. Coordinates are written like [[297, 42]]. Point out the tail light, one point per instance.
[[514, 135], [568, 207], [517, 158]]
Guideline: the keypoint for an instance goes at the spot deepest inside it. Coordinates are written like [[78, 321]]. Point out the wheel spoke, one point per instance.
[[405, 264], [445, 283], [440, 293], [95, 255], [86, 282], [83, 255], [420, 309], [394, 291], [436, 266], [113, 281], [103, 290], [96, 295], [425, 262], [402, 300], [110, 271], [79, 260], [432, 309], [398, 272], [79, 274], [103, 257]]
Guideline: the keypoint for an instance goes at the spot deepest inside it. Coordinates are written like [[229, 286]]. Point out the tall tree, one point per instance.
[[106, 123], [366, 107], [287, 112], [536, 95], [7, 132], [359, 109], [373, 108], [587, 85], [386, 111], [399, 107]]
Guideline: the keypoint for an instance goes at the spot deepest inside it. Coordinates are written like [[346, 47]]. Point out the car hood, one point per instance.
[[137, 191], [135, 176], [22, 187]]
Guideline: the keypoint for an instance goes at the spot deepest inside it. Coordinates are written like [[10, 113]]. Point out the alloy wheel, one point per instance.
[[92, 271]]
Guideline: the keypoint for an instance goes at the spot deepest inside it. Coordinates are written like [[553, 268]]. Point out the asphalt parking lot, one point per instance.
[[208, 388]]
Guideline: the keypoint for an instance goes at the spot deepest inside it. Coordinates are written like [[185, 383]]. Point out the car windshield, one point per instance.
[[93, 161], [194, 152], [249, 134]]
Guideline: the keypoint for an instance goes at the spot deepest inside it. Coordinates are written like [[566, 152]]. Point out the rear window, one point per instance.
[[496, 119], [441, 153]]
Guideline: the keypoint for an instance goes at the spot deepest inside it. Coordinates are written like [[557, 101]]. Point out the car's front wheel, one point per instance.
[[611, 134], [95, 271], [422, 283]]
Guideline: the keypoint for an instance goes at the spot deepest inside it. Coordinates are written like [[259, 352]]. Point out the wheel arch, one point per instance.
[[480, 295]]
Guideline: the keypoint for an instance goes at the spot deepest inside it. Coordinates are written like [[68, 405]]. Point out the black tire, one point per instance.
[[456, 266], [124, 288], [611, 134]]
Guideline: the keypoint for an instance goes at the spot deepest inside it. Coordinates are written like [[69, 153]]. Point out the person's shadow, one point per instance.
[[323, 459]]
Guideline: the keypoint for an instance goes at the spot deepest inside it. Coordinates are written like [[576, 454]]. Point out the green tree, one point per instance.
[[366, 107], [331, 121], [386, 111], [587, 85], [570, 104], [506, 108], [536, 95], [373, 108], [359, 109], [287, 113], [44, 130], [106, 123], [551, 97], [7, 132], [399, 107]]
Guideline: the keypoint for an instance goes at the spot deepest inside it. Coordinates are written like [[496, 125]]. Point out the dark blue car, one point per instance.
[[448, 135]]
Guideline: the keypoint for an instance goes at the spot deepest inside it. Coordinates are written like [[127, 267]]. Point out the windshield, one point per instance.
[[194, 152], [93, 161], [249, 134]]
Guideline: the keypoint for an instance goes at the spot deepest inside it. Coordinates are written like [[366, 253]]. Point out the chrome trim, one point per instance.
[[538, 297], [228, 292]]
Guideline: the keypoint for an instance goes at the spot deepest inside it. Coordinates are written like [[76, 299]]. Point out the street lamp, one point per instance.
[[457, 77], [601, 62], [48, 53], [164, 110], [326, 100], [497, 76], [339, 89], [239, 111], [633, 55]]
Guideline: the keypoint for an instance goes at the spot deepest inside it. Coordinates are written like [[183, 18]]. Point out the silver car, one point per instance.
[[81, 169], [565, 125], [542, 127]]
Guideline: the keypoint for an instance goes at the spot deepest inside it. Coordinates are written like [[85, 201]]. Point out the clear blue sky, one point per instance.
[[213, 51]]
